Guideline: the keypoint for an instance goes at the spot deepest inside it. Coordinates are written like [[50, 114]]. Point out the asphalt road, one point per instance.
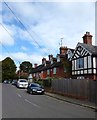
[[17, 103]]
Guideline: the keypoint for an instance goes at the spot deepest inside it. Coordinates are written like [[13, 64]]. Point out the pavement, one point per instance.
[[73, 101]]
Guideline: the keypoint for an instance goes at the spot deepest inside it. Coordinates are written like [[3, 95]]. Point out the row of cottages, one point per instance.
[[79, 63], [59, 67]]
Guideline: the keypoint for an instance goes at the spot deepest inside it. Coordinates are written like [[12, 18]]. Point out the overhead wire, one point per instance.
[[6, 30], [24, 26], [4, 46], [16, 61]]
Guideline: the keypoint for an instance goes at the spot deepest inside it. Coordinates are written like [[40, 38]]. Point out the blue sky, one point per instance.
[[46, 23]]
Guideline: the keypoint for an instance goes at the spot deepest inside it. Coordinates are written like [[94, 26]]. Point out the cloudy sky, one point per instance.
[[30, 31]]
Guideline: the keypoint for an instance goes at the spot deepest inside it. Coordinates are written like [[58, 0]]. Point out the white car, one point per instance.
[[22, 83]]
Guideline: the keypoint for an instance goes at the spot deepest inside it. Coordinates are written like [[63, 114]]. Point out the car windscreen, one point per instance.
[[35, 85], [23, 81], [14, 81]]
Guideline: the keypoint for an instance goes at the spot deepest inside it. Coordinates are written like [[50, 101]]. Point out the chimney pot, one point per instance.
[[50, 57], [87, 33], [43, 60], [63, 50], [87, 38], [35, 65]]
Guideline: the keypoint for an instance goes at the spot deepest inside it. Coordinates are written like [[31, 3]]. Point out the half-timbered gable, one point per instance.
[[69, 53], [84, 61]]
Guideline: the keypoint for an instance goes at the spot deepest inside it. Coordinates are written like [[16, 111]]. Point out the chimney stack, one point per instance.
[[43, 60], [35, 65], [87, 38], [50, 57], [63, 50]]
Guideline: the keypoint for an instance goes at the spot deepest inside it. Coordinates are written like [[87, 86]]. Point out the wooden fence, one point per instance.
[[78, 88]]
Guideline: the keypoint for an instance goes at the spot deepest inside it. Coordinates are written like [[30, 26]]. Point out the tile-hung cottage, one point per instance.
[[84, 59]]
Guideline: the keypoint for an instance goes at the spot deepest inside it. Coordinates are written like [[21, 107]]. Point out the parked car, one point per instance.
[[34, 88], [6, 82], [14, 82], [22, 83]]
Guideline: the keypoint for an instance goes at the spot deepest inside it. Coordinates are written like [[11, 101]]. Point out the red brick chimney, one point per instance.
[[35, 65], [87, 38], [63, 50], [50, 57], [43, 60]]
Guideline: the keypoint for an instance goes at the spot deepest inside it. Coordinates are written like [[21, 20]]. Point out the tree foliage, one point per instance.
[[26, 66], [67, 66], [8, 69]]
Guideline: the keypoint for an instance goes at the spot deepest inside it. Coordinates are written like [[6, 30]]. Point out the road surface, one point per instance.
[[17, 103]]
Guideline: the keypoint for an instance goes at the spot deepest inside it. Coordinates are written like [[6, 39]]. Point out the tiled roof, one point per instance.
[[91, 48], [46, 67], [43, 67], [72, 50], [48, 62], [61, 56], [55, 64], [37, 69], [54, 59]]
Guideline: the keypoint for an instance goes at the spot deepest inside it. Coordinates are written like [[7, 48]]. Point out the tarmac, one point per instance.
[[73, 101]]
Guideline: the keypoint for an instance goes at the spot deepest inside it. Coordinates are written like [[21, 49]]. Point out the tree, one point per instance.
[[26, 66], [67, 67], [8, 69]]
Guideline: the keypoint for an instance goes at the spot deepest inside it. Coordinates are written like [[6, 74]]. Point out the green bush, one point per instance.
[[39, 82], [47, 82]]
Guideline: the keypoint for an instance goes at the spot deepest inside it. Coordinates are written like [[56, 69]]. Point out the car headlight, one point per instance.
[[34, 89], [42, 89]]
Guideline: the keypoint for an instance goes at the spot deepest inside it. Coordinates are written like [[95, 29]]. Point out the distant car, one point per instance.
[[22, 83], [6, 82], [14, 82], [34, 88]]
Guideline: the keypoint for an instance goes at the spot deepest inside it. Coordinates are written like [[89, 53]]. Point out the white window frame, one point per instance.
[[89, 62], [48, 72], [54, 70], [94, 62], [58, 59]]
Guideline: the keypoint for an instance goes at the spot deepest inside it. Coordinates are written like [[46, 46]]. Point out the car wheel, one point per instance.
[[31, 92], [42, 93]]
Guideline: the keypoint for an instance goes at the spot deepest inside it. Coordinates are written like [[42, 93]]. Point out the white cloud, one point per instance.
[[63, 19], [0, 12], [50, 0], [23, 48], [47, 23], [5, 37], [20, 57]]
